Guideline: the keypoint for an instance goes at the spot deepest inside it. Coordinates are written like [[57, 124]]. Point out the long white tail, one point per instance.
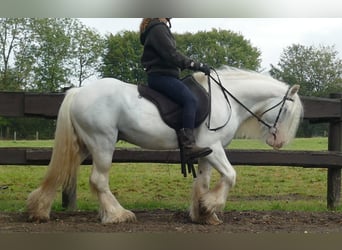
[[65, 158], [63, 166]]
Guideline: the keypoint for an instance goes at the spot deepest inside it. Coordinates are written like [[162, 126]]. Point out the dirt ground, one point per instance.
[[178, 221]]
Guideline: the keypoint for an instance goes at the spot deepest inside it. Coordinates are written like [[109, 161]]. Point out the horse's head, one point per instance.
[[268, 108], [282, 116]]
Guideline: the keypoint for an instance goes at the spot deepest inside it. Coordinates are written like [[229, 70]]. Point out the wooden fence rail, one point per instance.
[[21, 104], [305, 159]]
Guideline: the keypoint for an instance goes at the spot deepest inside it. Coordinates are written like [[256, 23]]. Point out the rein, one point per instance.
[[224, 91], [272, 128]]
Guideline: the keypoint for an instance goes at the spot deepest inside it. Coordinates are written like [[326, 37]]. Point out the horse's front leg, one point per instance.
[[211, 201], [200, 187]]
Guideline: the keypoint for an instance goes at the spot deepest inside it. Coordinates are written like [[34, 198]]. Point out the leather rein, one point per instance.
[[272, 128]]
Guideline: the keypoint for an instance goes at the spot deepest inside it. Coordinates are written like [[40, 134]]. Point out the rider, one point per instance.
[[163, 64]]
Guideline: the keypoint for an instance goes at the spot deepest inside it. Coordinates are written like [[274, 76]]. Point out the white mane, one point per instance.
[[234, 74]]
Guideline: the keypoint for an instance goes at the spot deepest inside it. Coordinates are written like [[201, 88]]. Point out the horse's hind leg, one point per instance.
[[110, 209]]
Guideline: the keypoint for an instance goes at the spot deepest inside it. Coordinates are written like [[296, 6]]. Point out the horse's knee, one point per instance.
[[233, 178], [98, 182], [230, 178]]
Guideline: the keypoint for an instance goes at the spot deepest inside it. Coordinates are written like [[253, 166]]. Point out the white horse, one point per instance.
[[93, 117]]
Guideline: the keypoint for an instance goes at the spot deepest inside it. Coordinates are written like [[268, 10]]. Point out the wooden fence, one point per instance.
[[19, 104]]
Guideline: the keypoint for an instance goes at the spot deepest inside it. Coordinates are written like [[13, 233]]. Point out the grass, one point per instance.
[[152, 186], [314, 144]]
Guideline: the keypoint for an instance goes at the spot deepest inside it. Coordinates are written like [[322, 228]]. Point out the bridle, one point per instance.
[[272, 128]]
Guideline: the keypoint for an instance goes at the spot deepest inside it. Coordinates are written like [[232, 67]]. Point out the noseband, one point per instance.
[[272, 128]]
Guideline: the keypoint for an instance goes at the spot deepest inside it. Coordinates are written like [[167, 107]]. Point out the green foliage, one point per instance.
[[46, 54], [87, 46], [50, 53], [27, 127], [220, 47], [317, 69], [12, 32], [122, 57], [216, 48]]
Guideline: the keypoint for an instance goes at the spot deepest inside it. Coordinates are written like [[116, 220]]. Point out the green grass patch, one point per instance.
[[314, 144], [151, 186], [26, 143]]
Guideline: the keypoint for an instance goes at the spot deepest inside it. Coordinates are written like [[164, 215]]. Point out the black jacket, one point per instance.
[[160, 54]]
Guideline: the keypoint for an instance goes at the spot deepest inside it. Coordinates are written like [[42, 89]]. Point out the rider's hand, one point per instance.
[[204, 68], [200, 67]]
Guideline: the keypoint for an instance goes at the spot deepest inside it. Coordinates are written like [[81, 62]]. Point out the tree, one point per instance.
[[220, 47], [317, 69], [87, 47], [319, 72], [50, 50], [12, 33], [57, 52], [122, 57], [216, 48], [43, 55]]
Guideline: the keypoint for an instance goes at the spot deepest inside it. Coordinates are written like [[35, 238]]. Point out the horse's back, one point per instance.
[[105, 87], [98, 102], [101, 92]]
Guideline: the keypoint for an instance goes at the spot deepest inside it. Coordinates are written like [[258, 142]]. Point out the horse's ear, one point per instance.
[[294, 89]]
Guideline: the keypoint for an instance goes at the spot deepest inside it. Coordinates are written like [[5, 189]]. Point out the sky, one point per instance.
[[270, 35]]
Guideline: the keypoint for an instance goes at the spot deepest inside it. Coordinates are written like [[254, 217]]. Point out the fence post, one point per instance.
[[334, 144]]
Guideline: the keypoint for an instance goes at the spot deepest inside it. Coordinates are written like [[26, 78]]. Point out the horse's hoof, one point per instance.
[[210, 220], [124, 216], [38, 219], [213, 220], [128, 216], [204, 209]]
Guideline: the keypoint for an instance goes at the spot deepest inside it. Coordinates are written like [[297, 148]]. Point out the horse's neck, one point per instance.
[[253, 93], [254, 96], [250, 92], [254, 100]]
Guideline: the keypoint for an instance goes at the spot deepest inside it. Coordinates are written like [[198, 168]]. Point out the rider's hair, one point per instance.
[[146, 21]]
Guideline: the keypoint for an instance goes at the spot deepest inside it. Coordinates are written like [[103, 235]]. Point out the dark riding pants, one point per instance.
[[174, 89]]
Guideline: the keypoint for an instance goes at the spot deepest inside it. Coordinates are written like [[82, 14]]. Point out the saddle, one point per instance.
[[171, 112]]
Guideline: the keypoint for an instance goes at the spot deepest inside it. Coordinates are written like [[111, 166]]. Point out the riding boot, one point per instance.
[[186, 140]]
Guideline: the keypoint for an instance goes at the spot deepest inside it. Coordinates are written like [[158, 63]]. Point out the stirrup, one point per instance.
[[186, 163]]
